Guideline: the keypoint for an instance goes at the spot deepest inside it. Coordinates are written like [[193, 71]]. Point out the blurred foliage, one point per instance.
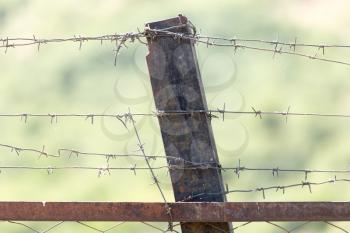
[[62, 79]]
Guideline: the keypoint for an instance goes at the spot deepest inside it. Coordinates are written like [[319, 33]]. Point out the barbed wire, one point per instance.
[[275, 171], [120, 41], [152, 33], [102, 170], [184, 165], [257, 113], [107, 170], [18, 150], [234, 43], [124, 118], [292, 45], [134, 168], [277, 188], [73, 152]]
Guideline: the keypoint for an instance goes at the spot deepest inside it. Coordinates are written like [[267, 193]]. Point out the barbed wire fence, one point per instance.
[[174, 163]]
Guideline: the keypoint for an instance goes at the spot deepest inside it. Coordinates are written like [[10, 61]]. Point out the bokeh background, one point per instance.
[[60, 78]]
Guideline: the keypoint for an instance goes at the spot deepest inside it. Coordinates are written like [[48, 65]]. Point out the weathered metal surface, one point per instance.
[[177, 86], [212, 212]]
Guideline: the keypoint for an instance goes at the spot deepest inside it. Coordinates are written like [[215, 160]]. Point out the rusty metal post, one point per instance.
[[177, 86]]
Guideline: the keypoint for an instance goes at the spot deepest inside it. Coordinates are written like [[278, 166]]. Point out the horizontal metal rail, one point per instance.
[[180, 211]]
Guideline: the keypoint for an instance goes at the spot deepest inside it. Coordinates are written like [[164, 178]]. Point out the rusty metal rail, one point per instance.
[[181, 212]]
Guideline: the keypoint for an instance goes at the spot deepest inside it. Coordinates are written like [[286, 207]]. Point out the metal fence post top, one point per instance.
[[176, 21]]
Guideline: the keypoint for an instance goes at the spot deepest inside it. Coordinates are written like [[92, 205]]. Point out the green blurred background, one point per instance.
[[63, 79]]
